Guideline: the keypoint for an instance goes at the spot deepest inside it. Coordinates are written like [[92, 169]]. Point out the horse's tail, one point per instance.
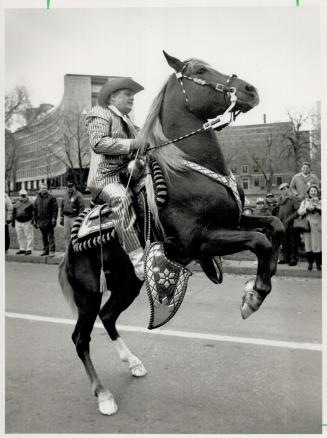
[[65, 285], [151, 198]]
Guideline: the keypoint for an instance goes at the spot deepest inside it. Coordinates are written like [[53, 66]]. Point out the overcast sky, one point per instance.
[[277, 49]]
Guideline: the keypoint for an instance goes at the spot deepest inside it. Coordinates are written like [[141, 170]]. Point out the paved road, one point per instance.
[[208, 370]]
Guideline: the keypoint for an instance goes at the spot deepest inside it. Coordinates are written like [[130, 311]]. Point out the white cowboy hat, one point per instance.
[[117, 84]]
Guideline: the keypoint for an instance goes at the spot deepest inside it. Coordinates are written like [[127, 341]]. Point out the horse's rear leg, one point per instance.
[[81, 338], [109, 314], [274, 229], [224, 241]]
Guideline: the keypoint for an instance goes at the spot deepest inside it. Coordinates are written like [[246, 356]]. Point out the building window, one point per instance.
[[256, 181], [255, 168], [279, 180], [245, 168], [245, 183]]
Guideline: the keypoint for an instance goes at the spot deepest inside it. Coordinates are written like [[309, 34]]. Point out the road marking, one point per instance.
[[177, 333]]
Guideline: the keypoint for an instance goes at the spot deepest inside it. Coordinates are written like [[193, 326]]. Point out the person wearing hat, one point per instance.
[[71, 206], [302, 180], [310, 208], [113, 139], [288, 205], [261, 209], [45, 218], [272, 203], [22, 222]]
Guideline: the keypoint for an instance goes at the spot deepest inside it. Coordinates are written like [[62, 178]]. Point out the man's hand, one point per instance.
[[136, 144]]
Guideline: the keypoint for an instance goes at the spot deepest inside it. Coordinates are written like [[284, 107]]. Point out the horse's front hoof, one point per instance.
[[107, 404], [138, 370], [251, 300]]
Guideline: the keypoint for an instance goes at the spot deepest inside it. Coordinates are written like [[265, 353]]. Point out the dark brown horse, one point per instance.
[[200, 220]]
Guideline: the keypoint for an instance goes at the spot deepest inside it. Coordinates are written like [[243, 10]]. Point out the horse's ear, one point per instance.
[[174, 63]]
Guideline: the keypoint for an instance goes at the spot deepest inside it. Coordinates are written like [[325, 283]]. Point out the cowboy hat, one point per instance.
[[260, 201], [117, 84]]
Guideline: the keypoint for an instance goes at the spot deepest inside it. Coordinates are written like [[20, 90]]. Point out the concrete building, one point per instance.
[[43, 144]]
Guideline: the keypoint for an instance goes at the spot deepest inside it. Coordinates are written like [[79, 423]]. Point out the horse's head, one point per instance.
[[207, 92]]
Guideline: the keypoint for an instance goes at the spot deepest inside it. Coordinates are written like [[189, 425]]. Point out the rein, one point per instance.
[[217, 123]]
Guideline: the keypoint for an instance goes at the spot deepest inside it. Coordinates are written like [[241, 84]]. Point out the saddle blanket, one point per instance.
[[166, 284]]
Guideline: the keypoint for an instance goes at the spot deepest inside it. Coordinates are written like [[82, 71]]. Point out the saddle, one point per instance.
[[86, 231]]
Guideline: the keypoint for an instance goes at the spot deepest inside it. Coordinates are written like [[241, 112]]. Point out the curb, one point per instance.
[[229, 267]]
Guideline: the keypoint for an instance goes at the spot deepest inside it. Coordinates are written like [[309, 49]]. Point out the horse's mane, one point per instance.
[[169, 157]]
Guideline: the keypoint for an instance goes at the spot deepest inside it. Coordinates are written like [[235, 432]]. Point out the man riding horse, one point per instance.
[[113, 142]]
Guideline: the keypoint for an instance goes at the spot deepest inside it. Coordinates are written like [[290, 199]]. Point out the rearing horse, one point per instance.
[[200, 220]]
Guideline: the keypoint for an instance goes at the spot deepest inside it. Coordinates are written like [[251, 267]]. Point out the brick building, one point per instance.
[[260, 156]]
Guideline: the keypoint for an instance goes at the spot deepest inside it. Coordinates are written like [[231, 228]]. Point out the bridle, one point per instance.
[[221, 120]]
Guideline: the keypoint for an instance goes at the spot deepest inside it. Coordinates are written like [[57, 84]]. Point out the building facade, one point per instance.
[[259, 155], [47, 145]]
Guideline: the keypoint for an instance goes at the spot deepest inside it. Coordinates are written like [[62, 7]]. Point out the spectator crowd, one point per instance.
[[26, 216], [298, 206]]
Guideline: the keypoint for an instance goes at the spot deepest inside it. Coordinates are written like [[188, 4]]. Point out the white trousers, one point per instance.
[[24, 231]]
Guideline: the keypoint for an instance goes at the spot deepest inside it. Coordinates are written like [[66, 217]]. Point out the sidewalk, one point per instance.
[[240, 267]]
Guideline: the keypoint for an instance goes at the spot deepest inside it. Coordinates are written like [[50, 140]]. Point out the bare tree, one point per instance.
[[266, 160], [16, 103], [297, 145], [73, 148], [316, 141], [11, 160]]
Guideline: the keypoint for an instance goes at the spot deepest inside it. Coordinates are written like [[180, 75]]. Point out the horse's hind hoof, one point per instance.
[[251, 300], [107, 404], [138, 370]]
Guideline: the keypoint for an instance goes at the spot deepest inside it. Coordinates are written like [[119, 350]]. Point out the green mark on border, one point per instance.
[[48, 4], [297, 2]]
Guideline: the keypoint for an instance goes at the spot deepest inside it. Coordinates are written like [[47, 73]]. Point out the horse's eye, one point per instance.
[[201, 70]]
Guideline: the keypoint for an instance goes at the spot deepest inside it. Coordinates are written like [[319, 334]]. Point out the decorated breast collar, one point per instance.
[[228, 181]]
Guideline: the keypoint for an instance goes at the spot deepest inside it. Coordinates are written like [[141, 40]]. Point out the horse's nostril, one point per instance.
[[249, 88]]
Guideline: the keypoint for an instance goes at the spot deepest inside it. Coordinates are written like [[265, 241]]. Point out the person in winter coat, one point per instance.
[[45, 218], [22, 222], [303, 180], [8, 219], [288, 205], [311, 209], [272, 203], [71, 206], [261, 209]]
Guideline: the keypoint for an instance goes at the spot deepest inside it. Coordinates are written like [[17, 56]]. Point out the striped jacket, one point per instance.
[[110, 135]]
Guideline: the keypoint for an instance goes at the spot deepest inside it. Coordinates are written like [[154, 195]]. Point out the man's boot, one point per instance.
[[310, 259], [137, 259]]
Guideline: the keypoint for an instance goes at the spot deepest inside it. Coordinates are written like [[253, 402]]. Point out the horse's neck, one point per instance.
[[202, 148]]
